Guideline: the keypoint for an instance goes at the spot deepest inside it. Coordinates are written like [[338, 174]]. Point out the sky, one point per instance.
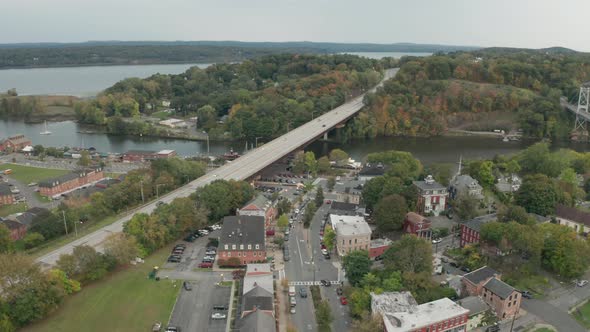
[[510, 23]]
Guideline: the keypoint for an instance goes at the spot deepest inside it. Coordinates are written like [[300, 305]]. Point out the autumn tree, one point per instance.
[[329, 238], [409, 254], [283, 221], [122, 247], [6, 243]]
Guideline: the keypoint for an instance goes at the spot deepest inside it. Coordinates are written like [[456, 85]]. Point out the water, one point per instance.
[[79, 81], [380, 55]]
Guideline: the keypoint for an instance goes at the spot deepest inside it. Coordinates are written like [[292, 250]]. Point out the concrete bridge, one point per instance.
[[240, 169]]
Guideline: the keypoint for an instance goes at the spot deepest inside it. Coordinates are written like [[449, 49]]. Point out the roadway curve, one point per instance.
[[239, 169]]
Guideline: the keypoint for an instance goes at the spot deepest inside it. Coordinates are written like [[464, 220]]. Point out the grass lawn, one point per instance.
[[125, 301], [6, 210], [27, 174], [161, 115], [543, 329], [537, 284], [582, 315]]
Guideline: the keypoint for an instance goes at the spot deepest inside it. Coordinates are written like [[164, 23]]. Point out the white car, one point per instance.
[[582, 283], [218, 315], [324, 251], [296, 211], [435, 241], [204, 231]]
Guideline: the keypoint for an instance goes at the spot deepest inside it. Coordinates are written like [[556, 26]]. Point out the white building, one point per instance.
[[352, 233]]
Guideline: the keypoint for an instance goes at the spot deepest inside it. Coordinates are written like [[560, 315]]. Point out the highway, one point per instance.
[[239, 169]]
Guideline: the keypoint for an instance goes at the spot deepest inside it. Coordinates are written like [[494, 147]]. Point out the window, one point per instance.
[[239, 254], [226, 247], [233, 247], [509, 304], [349, 242], [354, 241], [510, 298], [249, 247], [255, 253], [241, 247], [229, 254], [257, 246]]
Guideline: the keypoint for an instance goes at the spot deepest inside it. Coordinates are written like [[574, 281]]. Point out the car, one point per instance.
[[180, 245], [303, 292], [218, 315], [207, 260], [205, 265], [343, 300], [157, 327], [32, 184], [339, 291], [582, 283], [187, 286], [296, 211], [293, 301], [178, 252], [286, 257], [379, 258], [435, 241], [293, 310], [526, 294], [323, 246], [174, 259], [220, 307], [327, 256], [325, 283], [209, 257], [203, 232], [159, 203], [173, 329], [210, 252], [465, 269], [190, 238], [324, 251]]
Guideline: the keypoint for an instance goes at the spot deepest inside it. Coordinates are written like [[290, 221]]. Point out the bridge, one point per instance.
[[239, 169], [581, 110]]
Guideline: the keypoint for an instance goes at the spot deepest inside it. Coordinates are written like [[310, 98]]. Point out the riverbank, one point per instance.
[[38, 108]]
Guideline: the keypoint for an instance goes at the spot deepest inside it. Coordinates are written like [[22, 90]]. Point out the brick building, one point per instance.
[[470, 229], [378, 247], [70, 181], [432, 196], [260, 206], [17, 230], [14, 143], [6, 196], [242, 237], [417, 225], [485, 282], [143, 155]]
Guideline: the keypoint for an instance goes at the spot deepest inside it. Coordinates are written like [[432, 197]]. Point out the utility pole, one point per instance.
[[65, 224], [514, 317], [256, 140], [141, 188], [208, 148]]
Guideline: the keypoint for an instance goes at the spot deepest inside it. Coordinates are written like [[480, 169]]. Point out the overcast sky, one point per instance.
[[517, 23]]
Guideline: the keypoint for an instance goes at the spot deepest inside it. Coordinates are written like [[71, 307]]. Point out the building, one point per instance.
[[28, 217], [401, 313], [258, 321], [70, 181], [508, 184], [371, 171], [432, 196], [258, 275], [573, 218], [486, 283], [477, 310], [6, 196], [352, 233], [17, 230], [349, 195], [465, 185], [14, 143], [378, 247], [470, 230], [242, 237], [346, 209], [163, 154], [473, 281], [259, 206], [174, 123], [257, 299], [417, 225], [144, 155]]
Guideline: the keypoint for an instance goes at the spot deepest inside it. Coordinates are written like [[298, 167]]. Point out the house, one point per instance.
[[352, 233], [508, 184], [486, 283], [465, 185], [432, 196], [346, 209], [418, 225], [473, 281], [242, 237], [477, 310], [259, 299], [259, 206], [6, 196], [28, 217], [17, 230], [470, 230], [378, 247], [401, 313], [68, 182], [14, 143], [349, 195], [573, 218], [258, 321], [258, 275], [163, 154], [371, 171]]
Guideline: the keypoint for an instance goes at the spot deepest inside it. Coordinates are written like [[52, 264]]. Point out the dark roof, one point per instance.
[[499, 287], [50, 183], [242, 230], [258, 321], [11, 224], [258, 297], [372, 171], [27, 217], [5, 189], [480, 274], [428, 184], [342, 206], [572, 214], [476, 223], [415, 218]]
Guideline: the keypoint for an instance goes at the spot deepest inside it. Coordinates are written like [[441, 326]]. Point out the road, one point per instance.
[[239, 169]]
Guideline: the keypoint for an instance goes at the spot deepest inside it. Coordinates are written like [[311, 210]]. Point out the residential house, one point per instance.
[[70, 181], [485, 282], [349, 195], [401, 313], [6, 196], [465, 185], [258, 321], [477, 310], [28, 217], [473, 281], [417, 225], [258, 275], [508, 184], [352, 233], [17, 230], [470, 230], [432, 196], [371, 171], [242, 237], [14, 143], [257, 298], [378, 247], [259, 206], [573, 218]]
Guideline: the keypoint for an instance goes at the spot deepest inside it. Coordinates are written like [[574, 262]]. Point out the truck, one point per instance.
[[291, 290]]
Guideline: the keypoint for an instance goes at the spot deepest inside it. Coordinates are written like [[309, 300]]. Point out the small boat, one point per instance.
[[505, 139], [45, 132]]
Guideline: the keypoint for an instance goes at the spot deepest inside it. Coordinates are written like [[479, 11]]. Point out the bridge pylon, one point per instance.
[[582, 110]]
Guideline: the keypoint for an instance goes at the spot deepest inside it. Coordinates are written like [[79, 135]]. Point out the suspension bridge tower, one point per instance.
[[582, 115]]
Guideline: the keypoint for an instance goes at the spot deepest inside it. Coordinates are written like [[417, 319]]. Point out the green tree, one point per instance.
[[283, 221], [331, 183], [513, 167], [6, 243], [323, 314], [563, 252], [283, 206], [319, 196], [299, 165], [338, 156], [485, 174], [84, 158], [465, 206], [123, 248], [569, 176], [537, 194], [329, 238], [515, 213], [32, 240], [324, 165], [360, 302], [409, 254], [368, 323], [356, 264], [390, 213], [393, 282], [309, 213], [311, 165]]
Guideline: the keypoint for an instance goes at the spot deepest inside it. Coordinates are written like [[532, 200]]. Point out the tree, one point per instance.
[[311, 165], [360, 301], [537, 194], [563, 252], [309, 213], [324, 165], [331, 183], [84, 158], [38, 149], [401, 164], [409, 254], [466, 206], [338, 156], [319, 196], [512, 167], [6, 243], [283, 206], [84, 265], [390, 213], [283, 221], [356, 264], [485, 174], [32, 240], [299, 165], [323, 314], [515, 213], [329, 238], [368, 323], [122, 247]]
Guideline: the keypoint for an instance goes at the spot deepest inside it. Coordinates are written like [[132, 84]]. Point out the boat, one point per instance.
[[45, 132], [231, 155]]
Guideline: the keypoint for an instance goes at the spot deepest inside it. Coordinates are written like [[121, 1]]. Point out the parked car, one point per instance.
[[327, 255], [303, 292], [293, 310], [339, 291], [218, 315], [210, 252], [343, 300], [582, 283], [325, 283], [206, 265], [220, 307], [174, 259], [324, 251], [187, 286], [526, 294], [435, 241], [207, 260], [292, 301], [190, 238], [180, 245], [209, 257], [159, 203], [173, 329]]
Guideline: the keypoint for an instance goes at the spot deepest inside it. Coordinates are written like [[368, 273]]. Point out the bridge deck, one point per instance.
[[574, 109]]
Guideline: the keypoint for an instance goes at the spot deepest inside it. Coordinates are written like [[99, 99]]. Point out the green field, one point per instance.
[[27, 174], [582, 315], [125, 301], [6, 210]]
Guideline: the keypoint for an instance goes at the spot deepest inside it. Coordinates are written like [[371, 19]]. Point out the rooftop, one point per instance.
[[11, 224], [429, 184], [260, 202], [166, 152], [499, 287], [465, 183], [140, 152], [258, 298], [52, 182], [376, 243], [477, 222], [258, 321], [242, 230], [481, 274], [349, 225], [258, 268], [572, 214], [341, 206], [392, 302], [415, 218], [5, 189], [474, 304], [263, 281], [425, 315]]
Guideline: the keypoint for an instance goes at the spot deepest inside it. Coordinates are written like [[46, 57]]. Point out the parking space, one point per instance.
[[219, 305], [194, 253]]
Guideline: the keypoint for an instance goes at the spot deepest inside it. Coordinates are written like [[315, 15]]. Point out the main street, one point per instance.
[[239, 169]]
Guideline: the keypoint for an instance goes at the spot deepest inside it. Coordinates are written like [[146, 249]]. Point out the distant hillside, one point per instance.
[[556, 50], [151, 52]]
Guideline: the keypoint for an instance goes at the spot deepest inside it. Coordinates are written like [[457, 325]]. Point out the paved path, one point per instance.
[[239, 169]]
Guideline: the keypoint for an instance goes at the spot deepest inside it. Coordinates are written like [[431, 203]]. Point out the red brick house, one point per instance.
[[485, 282], [260, 206], [17, 230], [242, 237], [6, 197], [470, 229], [70, 181], [14, 143], [418, 225]]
